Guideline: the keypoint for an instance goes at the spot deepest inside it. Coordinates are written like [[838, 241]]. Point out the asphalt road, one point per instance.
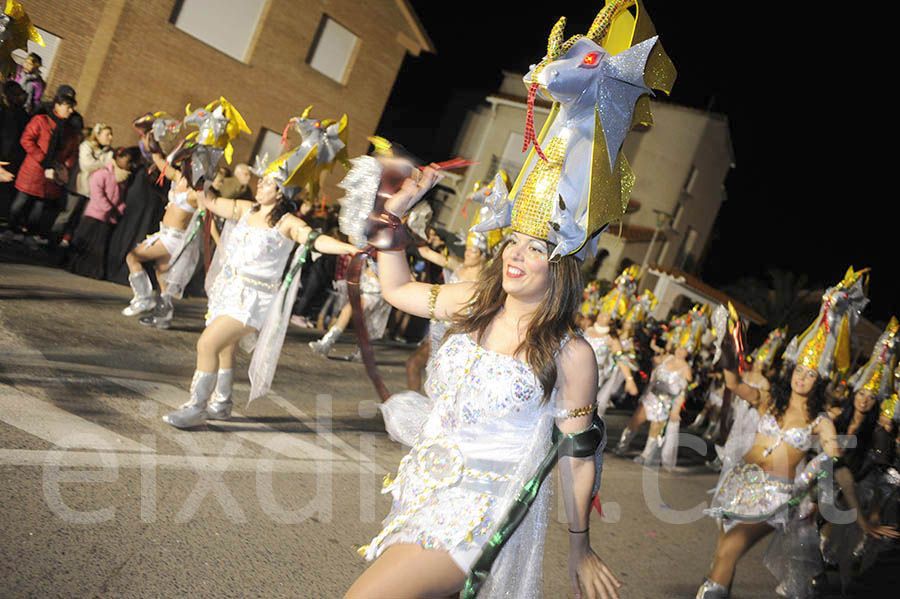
[[99, 498]]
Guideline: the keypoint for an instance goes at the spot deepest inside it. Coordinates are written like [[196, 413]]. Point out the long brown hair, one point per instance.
[[550, 325]]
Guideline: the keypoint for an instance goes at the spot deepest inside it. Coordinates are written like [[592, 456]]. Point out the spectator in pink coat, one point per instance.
[[106, 204]]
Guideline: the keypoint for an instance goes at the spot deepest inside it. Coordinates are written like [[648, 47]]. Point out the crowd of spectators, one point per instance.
[[69, 196]]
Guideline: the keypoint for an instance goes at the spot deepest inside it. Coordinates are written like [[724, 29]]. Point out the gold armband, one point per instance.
[[432, 299], [579, 412]]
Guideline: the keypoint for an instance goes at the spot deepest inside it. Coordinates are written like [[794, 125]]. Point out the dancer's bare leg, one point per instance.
[[415, 364], [638, 418], [218, 340], [731, 546], [406, 571]]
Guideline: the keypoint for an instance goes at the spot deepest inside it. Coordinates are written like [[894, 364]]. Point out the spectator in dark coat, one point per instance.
[[13, 119], [51, 146]]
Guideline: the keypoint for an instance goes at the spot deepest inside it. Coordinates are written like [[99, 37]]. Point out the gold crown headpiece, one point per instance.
[[877, 374]]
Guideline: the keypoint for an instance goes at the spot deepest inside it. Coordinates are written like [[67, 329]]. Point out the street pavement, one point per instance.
[[100, 498]]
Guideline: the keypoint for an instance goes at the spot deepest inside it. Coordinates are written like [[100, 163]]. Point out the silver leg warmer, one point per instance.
[[193, 413], [624, 442], [324, 345], [143, 300], [711, 590], [220, 404], [162, 314], [650, 455]]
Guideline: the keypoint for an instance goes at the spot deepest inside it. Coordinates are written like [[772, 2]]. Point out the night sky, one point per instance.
[[799, 197]]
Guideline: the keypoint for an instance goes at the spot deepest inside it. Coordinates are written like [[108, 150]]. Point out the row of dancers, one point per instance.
[[517, 382]]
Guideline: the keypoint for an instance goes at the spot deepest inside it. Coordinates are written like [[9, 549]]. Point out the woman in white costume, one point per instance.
[[247, 293]]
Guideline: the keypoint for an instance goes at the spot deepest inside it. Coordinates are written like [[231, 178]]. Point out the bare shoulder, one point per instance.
[[576, 354]]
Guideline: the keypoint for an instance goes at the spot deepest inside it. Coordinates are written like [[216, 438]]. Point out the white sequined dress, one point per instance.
[[250, 275], [481, 433]]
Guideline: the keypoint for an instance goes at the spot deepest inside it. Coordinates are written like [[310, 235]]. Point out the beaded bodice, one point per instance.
[[799, 437], [259, 253], [666, 382], [487, 402]]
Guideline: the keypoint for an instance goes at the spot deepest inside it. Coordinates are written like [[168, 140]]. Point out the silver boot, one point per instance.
[[624, 442], [220, 404], [193, 413], [161, 317], [324, 345], [650, 455], [143, 300], [712, 590]]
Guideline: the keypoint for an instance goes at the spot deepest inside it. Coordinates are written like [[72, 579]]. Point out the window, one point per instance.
[[230, 31], [333, 50], [268, 142], [47, 52]]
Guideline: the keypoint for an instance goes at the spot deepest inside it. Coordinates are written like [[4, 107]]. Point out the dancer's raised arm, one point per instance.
[[397, 285]]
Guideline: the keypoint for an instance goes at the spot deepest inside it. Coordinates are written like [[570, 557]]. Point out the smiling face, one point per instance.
[[267, 191], [681, 353], [803, 379], [526, 270]]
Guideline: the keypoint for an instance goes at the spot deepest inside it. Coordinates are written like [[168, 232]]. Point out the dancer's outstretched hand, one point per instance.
[[412, 190], [591, 578]]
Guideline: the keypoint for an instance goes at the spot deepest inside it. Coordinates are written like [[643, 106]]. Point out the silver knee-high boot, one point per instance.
[[162, 314], [624, 442], [143, 300], [324, 345], [650, 455], [220, 403], [712, 590], [193, 413]]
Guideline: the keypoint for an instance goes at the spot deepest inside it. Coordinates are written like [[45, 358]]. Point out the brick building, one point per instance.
[[270, 58]]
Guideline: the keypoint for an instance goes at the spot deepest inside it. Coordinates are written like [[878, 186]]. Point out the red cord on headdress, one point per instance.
[[284, 133], [530, 137]]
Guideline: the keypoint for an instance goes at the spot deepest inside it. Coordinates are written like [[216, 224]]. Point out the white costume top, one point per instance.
[[664, 388], [250, 275], [481, 434]]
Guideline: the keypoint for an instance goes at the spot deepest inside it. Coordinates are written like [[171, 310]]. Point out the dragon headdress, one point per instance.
[[877, 374], [825, 345], [618, 300], [572, 189], [766, 352], [641, 308], [323, 143]]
